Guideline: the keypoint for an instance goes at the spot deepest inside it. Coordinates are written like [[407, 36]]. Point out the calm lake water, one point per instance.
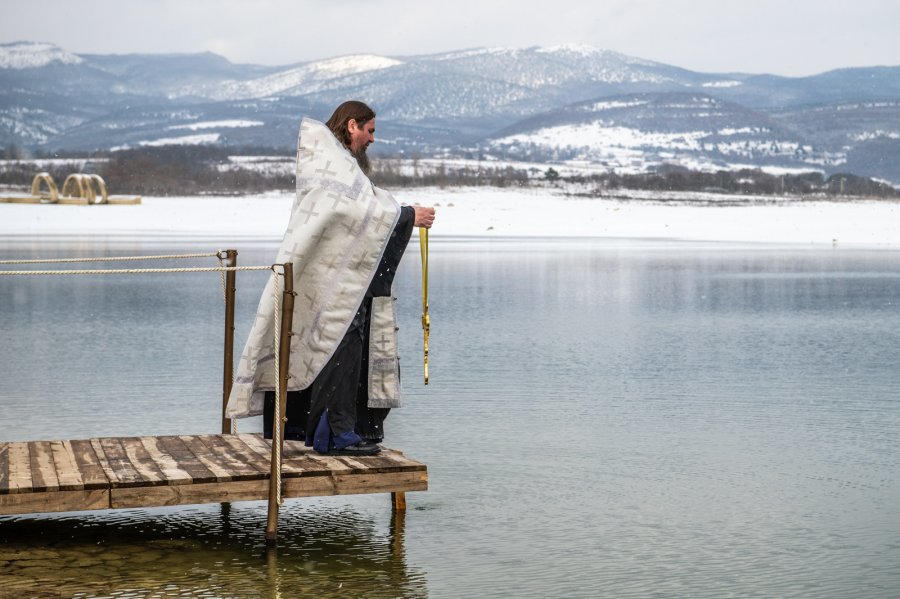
[[605, 418]]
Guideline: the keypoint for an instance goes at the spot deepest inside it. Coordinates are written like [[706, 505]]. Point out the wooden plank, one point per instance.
[[256, 442], [297, 460], [347, 484], [58, 501], [307, 463], [356, 466], [207, 457], [239, 464], [4, 467], [331, 464], [243, 490], [402, 461], [296, 447], [104, 463], [382, 462], [258, 490], [66, 467], [186, 459], [118, 461], [167, 465], [142, 462], [302, 465], [92, 473], [351, 484], [19, 468], [259, 461], [43, 472]]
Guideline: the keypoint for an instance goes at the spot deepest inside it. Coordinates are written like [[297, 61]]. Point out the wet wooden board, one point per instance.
[[125, 472], [70, 478], [88, 465]]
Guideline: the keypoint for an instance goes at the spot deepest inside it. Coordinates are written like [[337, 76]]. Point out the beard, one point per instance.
[[363, 160]]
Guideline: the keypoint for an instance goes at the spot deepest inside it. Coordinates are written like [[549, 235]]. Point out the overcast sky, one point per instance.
[[786, 37]]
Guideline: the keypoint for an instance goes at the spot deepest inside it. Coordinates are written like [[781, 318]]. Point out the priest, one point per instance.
[[345, 238]]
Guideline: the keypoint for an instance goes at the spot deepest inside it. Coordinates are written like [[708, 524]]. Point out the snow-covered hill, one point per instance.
[[307, 78], [561, 102], [31, 55]]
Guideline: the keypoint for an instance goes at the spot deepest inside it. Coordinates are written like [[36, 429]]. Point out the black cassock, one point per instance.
[[342, 385]]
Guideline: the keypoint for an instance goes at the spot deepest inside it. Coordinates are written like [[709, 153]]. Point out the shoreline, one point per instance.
[[486, 214]]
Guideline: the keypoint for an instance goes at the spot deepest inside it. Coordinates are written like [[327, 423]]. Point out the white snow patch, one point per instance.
[[875, 135], [773, 170], [740, 130], [29, 55], [232, 124], [267, 165], [580, 49], [354, 63], [722, 83], [472, 52], [598, 136], [184, 140], [617, 104]]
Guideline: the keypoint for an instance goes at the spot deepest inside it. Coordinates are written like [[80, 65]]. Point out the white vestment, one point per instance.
[[339, 227]]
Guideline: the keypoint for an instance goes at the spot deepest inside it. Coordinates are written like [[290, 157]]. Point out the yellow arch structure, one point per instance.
[[51, 188], [90, 180], [76, 190]]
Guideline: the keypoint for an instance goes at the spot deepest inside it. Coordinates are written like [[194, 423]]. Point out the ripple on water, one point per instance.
[[212, 551]]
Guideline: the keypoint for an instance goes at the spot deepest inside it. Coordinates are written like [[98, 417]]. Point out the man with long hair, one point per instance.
[[345, 239]]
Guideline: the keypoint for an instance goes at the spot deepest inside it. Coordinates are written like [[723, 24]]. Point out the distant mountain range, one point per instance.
[[562, 103]]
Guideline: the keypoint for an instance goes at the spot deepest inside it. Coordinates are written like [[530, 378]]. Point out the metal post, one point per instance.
[[284, 356], [228, 363]]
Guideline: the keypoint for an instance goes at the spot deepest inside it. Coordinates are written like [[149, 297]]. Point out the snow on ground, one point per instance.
[[485, 213], [48, 163], [185, 140], [227, 124]]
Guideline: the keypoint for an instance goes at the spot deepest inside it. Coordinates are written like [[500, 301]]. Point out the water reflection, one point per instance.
[[206, 552]]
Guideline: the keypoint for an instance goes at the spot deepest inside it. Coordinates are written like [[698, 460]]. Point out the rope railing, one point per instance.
[[277, 424], [112, 258], [131, 271]]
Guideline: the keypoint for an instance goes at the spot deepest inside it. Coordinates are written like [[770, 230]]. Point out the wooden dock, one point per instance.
[[134, 472]]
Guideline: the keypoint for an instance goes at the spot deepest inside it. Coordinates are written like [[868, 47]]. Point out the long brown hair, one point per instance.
[[351, 109]]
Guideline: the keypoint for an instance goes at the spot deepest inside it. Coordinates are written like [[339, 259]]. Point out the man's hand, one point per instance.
[[424, 216]]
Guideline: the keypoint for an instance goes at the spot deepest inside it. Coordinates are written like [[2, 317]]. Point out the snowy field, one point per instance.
[[488, 212]]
